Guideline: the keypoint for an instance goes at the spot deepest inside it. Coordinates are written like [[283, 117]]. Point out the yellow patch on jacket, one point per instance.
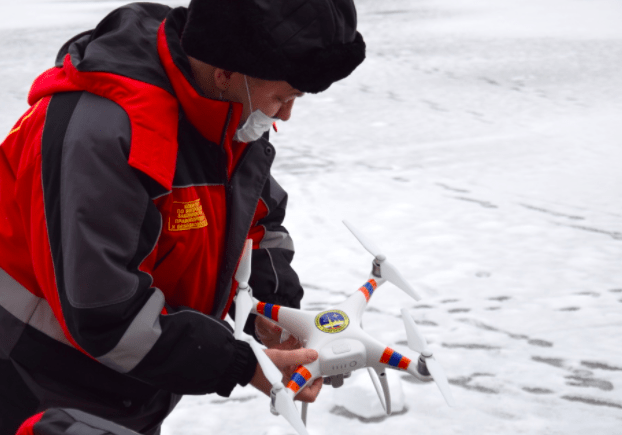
[[187, 216]]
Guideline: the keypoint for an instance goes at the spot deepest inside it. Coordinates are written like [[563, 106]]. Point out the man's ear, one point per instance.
[[222, 79]]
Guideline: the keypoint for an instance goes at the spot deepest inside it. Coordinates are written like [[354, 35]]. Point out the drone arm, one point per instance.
[[292, 320], [357, 301], [415, 366], [304, 376], [381, 357]]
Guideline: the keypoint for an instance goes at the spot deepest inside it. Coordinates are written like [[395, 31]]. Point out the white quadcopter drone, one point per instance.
[[337, 336]]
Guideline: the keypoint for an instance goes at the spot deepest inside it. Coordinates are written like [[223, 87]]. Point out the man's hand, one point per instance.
[[288, 361], [270, 335]]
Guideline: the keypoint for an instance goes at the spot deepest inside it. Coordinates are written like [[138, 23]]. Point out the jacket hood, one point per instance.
[[134, 58], [123, 44]]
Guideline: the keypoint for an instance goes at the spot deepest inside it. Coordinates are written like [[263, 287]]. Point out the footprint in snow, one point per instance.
[[454, 189], [470, 346], [533, 342], [485, 204], [344, 412], [537, 390], [459, 310], [592, 401], [588, 382], [551, 212], [555, 362], [465, 382], [600, 365], [540, 343], [593, 294], [580, 378], [500, 298]]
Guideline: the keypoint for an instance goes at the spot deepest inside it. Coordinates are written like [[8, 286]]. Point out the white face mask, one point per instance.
[[256, 124]]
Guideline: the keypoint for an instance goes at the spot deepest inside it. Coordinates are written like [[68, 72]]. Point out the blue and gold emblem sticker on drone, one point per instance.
[[332, 321]]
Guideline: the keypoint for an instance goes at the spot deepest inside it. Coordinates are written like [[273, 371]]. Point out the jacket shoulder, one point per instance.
[[104, 130]]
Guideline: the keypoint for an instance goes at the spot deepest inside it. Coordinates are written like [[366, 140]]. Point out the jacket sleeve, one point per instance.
[[102, 224]]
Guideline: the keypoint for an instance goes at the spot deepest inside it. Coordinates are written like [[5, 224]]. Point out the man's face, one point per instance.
[[275, 99]]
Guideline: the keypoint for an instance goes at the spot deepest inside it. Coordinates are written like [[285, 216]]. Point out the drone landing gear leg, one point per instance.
[[303, 414], [381, 384]]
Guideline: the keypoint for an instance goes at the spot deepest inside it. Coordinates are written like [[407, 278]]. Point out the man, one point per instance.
[[127, 192]]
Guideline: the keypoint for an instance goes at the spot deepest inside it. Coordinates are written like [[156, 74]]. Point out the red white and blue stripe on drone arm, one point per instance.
[[394, 359], [368, 288], [271, 311], [300, 377]]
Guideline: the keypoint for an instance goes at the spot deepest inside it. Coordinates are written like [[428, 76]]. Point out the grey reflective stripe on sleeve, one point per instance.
[[29, 309], [276, 239], [139, 338]]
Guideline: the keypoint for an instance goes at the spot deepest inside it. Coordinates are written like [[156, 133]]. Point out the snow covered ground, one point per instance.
[[480, 145]]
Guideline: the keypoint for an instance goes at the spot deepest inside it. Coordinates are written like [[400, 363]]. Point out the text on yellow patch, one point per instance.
[[187, 216]]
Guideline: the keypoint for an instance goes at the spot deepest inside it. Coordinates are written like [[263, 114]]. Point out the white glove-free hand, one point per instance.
[[287, 361]]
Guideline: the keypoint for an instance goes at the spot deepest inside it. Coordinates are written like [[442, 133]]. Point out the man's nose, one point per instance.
[[285, 112]]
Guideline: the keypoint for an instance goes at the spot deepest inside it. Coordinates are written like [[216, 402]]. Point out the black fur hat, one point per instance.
[[308, 43]]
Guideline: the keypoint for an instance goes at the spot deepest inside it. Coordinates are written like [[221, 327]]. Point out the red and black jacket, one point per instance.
[[125, 205]]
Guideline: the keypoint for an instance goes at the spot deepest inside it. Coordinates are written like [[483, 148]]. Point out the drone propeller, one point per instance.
[[417, 342], [388, 271], [243, 273], [243, 299], [282, 402], [371, 247]]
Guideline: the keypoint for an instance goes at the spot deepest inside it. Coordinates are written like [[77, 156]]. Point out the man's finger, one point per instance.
[[284, 358], [290, 344], [266, 326], [267, 332], [310, 392]]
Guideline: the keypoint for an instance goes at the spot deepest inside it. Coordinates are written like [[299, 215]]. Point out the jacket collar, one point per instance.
[[216, 120]]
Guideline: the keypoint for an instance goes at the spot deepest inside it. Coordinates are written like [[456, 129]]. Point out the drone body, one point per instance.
[[338, 337]]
